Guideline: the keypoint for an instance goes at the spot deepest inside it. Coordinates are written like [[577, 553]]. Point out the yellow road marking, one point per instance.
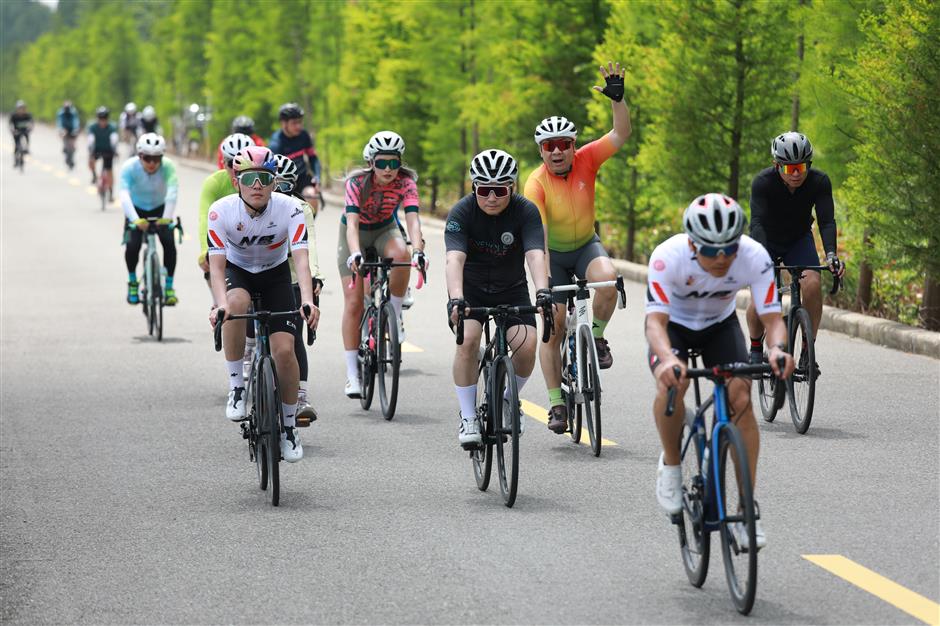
[[908, 601], [74, 181], [410, 347], [58, 174], [541, 415]]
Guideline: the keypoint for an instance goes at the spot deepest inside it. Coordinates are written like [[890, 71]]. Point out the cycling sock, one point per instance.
[[598, 327], [169, 282], [520, 383], [249, 347], [132, 277], [289, 410], [396, 304], [302, 391], [352, 364], [554, 397], [467, 397], [234, 374], [757, 343]]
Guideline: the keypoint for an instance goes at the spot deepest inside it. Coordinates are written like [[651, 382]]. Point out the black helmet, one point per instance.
[[290, 111], [102, 112], [244, 125]]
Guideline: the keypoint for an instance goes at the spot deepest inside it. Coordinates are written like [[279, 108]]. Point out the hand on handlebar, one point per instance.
[[313, 317], [213, 315], [141, 224], [776, 353], [454, 305], [353, 261], [836, 266], [420, 260], [667, 374]]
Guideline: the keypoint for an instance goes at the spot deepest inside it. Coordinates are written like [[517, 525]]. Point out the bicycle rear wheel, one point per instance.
[[568, 384], [591, 391], [736, 497], [505, 414], [482, 457], [269, 421], [694, 540], [770, 392], [389, 360], [367, 349], [802, 383]]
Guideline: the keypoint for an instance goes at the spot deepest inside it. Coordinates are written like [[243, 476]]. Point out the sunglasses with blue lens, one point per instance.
[[713, 251]]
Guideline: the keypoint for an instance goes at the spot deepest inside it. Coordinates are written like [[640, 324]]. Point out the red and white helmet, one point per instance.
[[714, 220]]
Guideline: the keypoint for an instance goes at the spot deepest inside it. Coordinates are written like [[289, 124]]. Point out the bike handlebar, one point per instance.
[[583, 284], [505, 310], [311, 333], [798, 269], [718, 372], [176, 224]]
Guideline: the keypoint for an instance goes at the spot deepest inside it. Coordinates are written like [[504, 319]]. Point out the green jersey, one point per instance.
[[217, 186]]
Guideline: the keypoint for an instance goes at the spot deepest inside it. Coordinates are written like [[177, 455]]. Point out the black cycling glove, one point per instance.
[[543, 299], [455, 302], [614, 87]]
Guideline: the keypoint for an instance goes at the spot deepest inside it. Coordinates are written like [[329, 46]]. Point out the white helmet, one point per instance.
[[493, 167], [365, 153], [130, 108], [151, 144], [555, 126], [714, 220], [149, 113], [235, 143], [384, 141], [791, 148], [286, 169]]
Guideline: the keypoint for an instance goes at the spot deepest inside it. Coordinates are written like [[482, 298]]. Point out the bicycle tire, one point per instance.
[[482, 457], [507, 439], [568, 382], [146, 294], [694, 539], [591, 392], [742, 590], [157, 296], [389, 360], [255, 443], [367, 357], [768, 390], [802, 382], [270, 422]]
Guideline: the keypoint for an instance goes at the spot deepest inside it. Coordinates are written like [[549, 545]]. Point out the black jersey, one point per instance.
[[21, 122], [495, 244], [780, 217]]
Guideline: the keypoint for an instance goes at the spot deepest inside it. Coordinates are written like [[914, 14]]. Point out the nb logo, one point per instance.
[[706, 294], [257, 240]]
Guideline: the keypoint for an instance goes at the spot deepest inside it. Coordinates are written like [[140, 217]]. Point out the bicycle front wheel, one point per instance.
[[568, 385], [694, 540], [482, 457], [739, 526], [591, 390], [269, 422], [389, 360], [802, 383], [505, 412], [156, 300], [769, 388], [367, 348]]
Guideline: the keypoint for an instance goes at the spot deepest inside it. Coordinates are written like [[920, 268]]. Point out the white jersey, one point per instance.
[[256, 243], [678, 286]]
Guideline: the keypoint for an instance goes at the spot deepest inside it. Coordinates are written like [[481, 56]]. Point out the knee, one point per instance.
[[811, 282], [283, 352]]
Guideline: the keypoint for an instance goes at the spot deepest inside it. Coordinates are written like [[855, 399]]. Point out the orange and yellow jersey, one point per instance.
[[566, 203]]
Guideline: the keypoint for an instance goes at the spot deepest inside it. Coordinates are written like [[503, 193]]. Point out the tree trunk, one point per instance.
[[795, 112], [631, 216], [863, 296], [930, 307], [433, 195], [738, 128]]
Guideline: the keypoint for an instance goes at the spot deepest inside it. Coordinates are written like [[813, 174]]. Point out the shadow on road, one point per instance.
[[149, 339]]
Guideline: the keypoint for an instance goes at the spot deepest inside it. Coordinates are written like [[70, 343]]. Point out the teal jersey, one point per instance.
[[102, 139]]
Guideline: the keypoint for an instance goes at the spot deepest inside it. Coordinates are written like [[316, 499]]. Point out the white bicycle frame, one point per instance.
[[578, 316]]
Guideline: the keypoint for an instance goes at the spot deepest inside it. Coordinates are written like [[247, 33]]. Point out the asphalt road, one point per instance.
[[127, 497]]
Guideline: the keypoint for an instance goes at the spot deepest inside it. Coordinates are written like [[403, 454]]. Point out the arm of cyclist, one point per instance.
[[535, 194], [614, 89], [352, 226], [172, 188], [758, 211], [114, 141], [658, 339], [217, 284], [453, 275], [124, 195], [826, 222], [312, 254], [299, 244], [775, 333]]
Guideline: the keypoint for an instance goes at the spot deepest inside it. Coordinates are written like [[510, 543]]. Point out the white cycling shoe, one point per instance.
[[291, 448], [507, 423], [669, 487], [235, 407], [468, 434], [740, 535], [353, 388], [408, 300]]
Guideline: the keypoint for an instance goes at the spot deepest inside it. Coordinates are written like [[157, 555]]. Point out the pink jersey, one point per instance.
[[383, 202]]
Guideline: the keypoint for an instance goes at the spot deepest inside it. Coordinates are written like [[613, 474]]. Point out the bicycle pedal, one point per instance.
[[675, 518]]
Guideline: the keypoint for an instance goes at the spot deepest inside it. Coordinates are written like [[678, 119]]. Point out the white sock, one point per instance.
[[467, 397], [352, 364], [520, 383], [396, 304], [249, 347], [302, 392], [289, 410], [234, 374]]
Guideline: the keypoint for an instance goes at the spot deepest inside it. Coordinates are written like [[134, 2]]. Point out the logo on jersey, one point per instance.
[[257, 240], [297, 211], [581, 185], [659, 265], [213, 215], [240, 227], [272, 225], [507, 238], [724, 295], [689, 281], [452, 226]]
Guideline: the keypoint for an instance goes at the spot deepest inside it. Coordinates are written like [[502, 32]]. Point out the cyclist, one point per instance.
[[241, 125], [148, 189], [102, 144], [373, 195], [491, 235], [562, 187], [294, 142], [149, 123], [782, 200], [246, 255], [129, 123], [68, 124], [286, 180], [690, 303], [21, 124]]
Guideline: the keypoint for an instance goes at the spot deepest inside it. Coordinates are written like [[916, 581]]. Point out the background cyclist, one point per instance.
[[68, 124], [241, 125], [102, 144], [294, 142], [21, 124]]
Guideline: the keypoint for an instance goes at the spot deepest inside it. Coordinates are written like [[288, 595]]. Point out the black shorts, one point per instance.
[[516, 296], [799, 252], [273, 286], [566, 265], [719, 343], [107, 159]]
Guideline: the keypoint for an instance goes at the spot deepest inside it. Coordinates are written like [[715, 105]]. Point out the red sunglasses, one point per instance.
[[549, 145], [500, 191]]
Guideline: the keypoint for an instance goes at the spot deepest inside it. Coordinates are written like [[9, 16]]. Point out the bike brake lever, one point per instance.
[[671, 394], [218, 330]]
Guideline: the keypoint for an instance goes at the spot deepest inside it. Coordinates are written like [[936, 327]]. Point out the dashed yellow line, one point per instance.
[[410, 347], [75, 182], [908, 601], [540, 414]]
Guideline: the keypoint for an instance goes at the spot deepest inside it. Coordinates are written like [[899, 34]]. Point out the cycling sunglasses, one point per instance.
[[712, 251], [382, 164], [250, 178], [794, 168], [499, 191], [284, 186], [549, 145], [151, 159]]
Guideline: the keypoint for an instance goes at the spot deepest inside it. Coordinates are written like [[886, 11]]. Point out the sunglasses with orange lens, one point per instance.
[[549, 145], [794, 168]]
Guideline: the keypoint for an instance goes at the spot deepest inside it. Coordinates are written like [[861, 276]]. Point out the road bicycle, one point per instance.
[[265, 420], [580, 374], [68, 148], [151, 289], [800, 387], [19, 150], [379, 344], [497, 406], [717, 494], [104, 187]]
